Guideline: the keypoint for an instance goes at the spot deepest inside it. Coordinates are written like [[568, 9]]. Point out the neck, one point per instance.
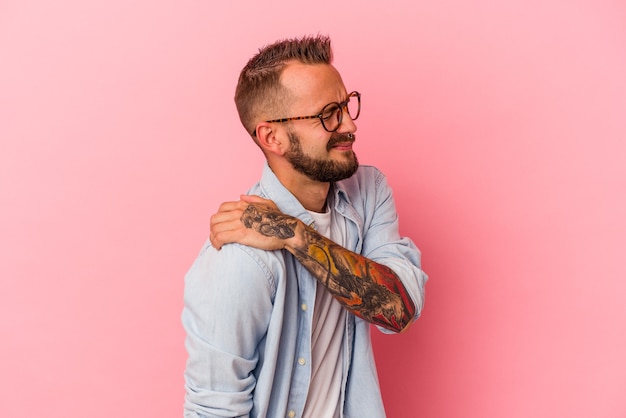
[[310, 193], [313, 198]]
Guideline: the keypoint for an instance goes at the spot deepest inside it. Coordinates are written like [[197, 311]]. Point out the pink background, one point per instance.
[[500, 124]]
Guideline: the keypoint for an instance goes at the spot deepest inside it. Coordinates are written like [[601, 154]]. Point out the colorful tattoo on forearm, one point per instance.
[[366, 288]]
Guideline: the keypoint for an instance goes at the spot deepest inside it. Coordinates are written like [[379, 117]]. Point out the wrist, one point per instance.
[[295, 242]]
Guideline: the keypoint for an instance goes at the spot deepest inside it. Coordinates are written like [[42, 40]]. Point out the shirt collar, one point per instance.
[[274, 190]]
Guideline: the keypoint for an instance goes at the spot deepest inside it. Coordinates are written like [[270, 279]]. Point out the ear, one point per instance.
[[270, 139]]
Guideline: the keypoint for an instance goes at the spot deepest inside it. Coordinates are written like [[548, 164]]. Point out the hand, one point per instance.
[[252, 221]]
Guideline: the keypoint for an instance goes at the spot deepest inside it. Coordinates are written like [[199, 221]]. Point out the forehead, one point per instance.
[[313, 85]]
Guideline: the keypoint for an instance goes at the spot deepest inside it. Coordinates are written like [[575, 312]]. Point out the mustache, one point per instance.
[[336, 138]]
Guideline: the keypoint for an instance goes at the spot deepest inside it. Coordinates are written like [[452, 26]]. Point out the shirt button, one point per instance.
[[291, 414], [301, 361], [303, 306]]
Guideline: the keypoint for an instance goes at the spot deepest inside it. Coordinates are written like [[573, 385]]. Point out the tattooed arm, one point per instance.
[[366, 288]]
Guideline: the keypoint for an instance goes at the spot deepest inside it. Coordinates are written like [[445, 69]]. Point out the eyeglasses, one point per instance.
[[332, 114]]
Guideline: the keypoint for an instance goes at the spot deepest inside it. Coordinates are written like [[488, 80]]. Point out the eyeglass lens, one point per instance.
[[332, 114]]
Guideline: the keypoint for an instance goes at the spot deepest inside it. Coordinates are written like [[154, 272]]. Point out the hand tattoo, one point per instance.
[[269, 222]]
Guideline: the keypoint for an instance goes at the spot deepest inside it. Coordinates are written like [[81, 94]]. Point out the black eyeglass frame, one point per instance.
[[343, 105]]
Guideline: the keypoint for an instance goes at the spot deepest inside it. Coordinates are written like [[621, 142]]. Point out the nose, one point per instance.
[[347, 125]]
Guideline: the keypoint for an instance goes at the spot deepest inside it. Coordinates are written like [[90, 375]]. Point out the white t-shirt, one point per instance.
[[329, 323]]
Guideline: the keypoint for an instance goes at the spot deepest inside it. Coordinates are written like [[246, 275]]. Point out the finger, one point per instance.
[[214, 243], [258, 200], [229, 206], [221, 217], [224, 231], [227, 232], [227, 224]]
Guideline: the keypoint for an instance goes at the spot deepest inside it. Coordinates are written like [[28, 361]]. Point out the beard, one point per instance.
[[325, 171]]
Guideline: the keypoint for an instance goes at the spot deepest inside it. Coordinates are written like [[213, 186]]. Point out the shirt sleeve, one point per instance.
[[228, 302], [382, 243]]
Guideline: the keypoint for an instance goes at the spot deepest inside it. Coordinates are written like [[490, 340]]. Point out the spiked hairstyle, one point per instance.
[[259, 94]]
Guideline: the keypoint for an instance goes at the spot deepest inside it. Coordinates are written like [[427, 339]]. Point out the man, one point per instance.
[[278, 305]]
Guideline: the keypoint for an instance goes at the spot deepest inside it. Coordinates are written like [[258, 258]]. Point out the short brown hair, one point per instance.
[[259, 93]]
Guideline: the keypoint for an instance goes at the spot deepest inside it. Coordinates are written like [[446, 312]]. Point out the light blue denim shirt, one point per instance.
[[248, 312]]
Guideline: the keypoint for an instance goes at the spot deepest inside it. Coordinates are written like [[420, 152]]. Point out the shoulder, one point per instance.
[[235, 269]]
